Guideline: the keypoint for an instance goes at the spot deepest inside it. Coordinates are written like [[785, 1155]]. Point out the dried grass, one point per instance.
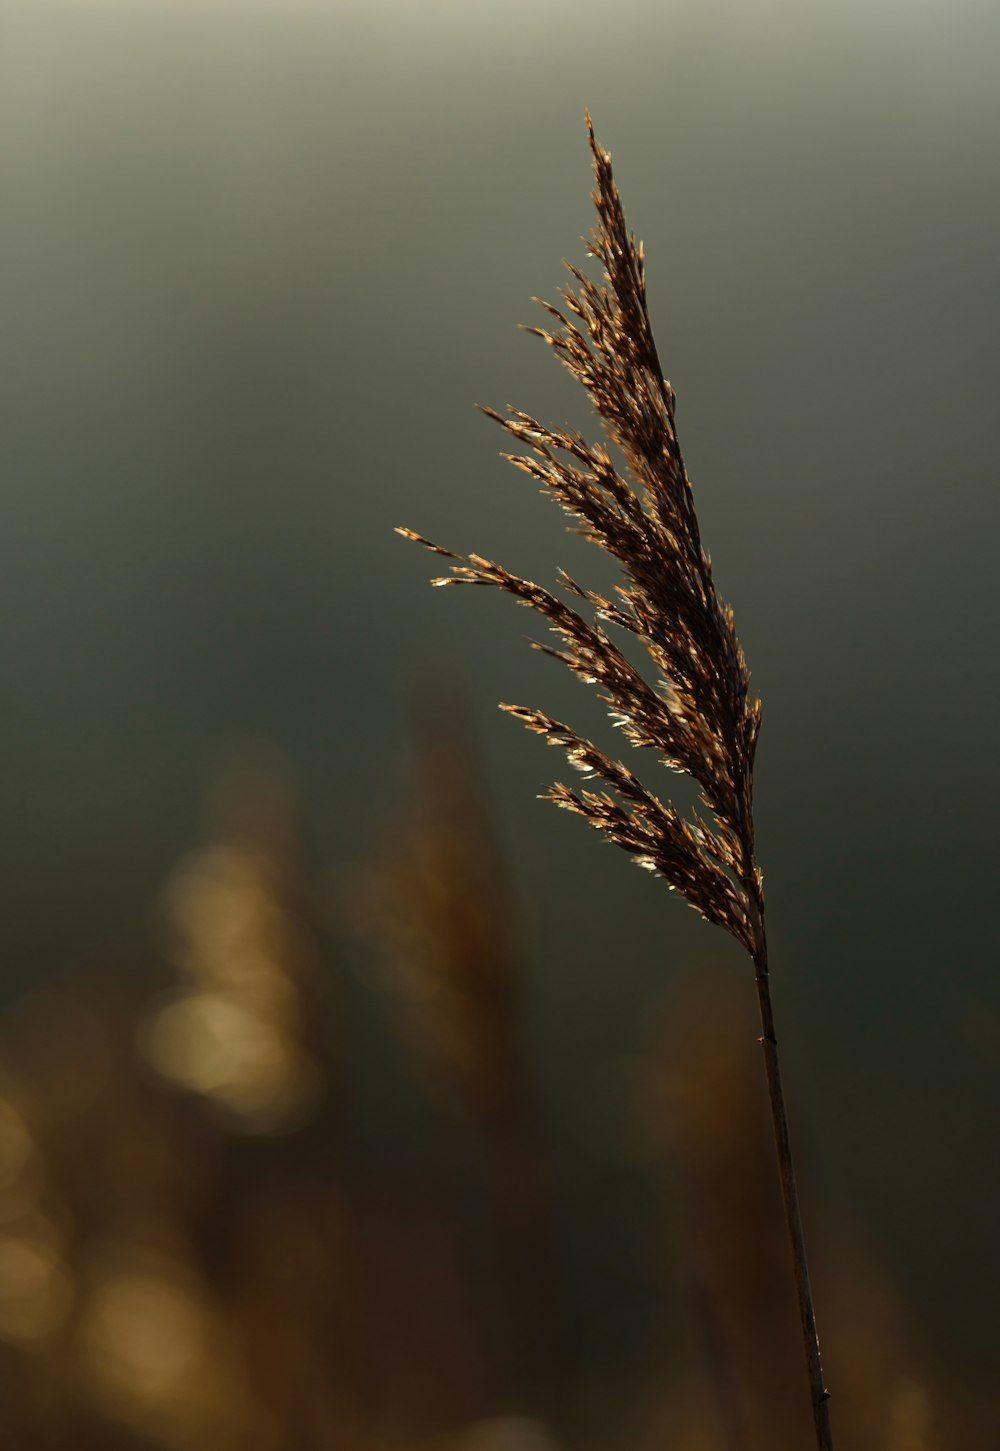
[[697, 714]]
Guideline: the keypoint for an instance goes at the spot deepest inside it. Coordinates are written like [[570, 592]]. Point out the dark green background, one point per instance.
[[259, 261]]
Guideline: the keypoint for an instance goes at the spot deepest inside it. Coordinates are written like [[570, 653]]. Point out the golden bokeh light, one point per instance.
[[16, 1147], [35, 1288], [153, 1352], [218, 1045], [233, 1032]]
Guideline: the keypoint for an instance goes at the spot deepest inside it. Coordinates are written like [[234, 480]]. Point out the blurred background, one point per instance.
[[350, 1096]]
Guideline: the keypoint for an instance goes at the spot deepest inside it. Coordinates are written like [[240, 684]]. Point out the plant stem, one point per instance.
[[819, 1395]]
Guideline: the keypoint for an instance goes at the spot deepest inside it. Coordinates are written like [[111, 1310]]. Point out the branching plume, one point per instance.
[[697, 713], [695, 710]]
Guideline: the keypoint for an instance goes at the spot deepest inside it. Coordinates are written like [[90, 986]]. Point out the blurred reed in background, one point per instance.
[[198, 1248]]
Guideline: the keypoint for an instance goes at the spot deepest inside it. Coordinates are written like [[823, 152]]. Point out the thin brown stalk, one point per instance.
[[818, 1394], [697, 714]]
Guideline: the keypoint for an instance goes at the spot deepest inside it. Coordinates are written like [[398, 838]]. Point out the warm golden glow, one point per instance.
[[144, 1337], [15, 1144], [35, 1289], [153, 1352], [233, 1033], [216, 1044]]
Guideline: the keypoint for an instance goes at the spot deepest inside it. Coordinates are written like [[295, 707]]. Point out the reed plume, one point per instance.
[[698, 715]]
